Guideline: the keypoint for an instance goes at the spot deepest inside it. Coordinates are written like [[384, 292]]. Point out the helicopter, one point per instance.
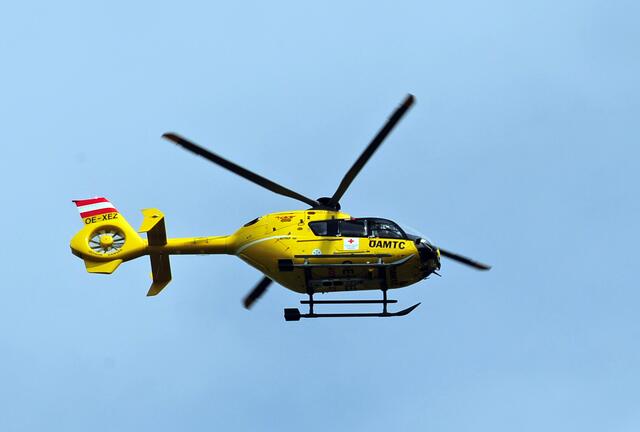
[[317, 250]]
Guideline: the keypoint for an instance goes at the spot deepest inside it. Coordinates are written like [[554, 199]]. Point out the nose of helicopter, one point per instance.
[[429, 256]]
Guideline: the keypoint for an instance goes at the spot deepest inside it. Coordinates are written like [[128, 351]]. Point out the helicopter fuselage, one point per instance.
[[303, 250], [313, 249]]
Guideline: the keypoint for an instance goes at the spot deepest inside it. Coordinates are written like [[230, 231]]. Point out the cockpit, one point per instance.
[[361, 227]]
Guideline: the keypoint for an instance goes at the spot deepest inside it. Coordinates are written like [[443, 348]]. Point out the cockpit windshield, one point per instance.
[[415, 234], [384, 228]]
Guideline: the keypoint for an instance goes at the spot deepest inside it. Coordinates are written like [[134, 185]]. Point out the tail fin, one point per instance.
[[107, 239]]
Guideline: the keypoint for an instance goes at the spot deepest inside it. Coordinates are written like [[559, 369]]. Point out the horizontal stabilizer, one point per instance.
[[153, 225]]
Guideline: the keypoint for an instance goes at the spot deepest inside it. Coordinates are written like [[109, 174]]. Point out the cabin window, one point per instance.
[[324, 228], [352, 228], [251, 222], [339, 227]]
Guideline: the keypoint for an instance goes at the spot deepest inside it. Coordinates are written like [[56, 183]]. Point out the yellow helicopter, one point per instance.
[[317, 250]]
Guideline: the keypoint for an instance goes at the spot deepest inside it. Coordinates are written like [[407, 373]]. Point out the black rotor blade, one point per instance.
[[464, 260], [371, 148], [237, 169], [257, 292]]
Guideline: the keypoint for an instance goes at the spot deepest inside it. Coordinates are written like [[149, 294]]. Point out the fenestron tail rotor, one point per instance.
[[106, 241]]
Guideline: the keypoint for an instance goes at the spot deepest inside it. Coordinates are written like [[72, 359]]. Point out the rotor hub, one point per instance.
[[325, 202], [106, 241]]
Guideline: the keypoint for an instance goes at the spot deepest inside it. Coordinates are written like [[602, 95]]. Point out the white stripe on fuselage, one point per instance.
[[246, 245]]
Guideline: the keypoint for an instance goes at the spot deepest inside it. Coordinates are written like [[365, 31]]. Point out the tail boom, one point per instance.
[[107, 240]]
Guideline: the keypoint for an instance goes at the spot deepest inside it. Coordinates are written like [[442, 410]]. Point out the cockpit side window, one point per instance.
[[383, 228]]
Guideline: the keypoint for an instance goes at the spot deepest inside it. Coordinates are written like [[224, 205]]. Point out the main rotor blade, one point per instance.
[[371, 148], [464, 260], [257, 292], [237, 169]]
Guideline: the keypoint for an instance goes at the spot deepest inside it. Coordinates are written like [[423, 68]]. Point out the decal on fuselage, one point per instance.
[[285, 219], [100, 218], [387, 244], [351, 243]]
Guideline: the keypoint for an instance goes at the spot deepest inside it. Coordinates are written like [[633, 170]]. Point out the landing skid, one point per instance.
[[293, 314]]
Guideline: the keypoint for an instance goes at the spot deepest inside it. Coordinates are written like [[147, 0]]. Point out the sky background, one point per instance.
[[522, 151]]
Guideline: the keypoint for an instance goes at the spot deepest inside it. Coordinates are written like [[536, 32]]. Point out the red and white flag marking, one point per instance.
[[94, 206]]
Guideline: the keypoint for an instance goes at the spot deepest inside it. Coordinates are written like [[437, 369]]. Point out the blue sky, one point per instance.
[[521, 151]]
